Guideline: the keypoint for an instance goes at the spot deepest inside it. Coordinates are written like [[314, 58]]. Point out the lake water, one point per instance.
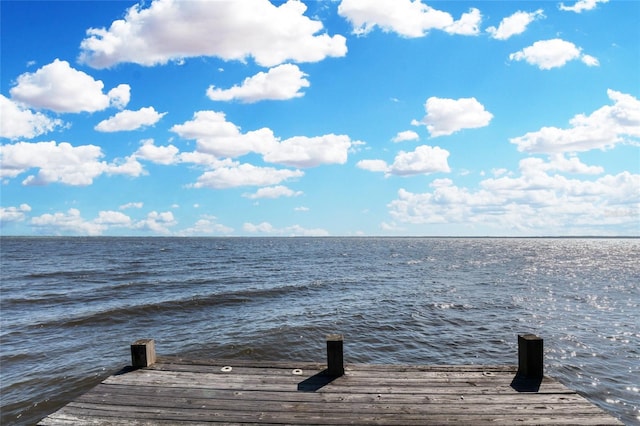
[[70, 307]]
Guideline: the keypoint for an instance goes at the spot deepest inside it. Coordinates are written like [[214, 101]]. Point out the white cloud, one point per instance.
[[113, 218], [301, 209], [373, 165], [573, 165], [607, 126], [302, 151], [64, 223], [208, 161], [218, 137], [72, 223], [18, 122], [468, 24], [590, 60], [157, 154], [119, 96], [232, 30], [207, 226], [279, 83], [244, 175], [60, 88], [263, 227], [128, 166], [547, 54], [405, 17], [582, 5], [407, 135], [423, 160], [447, 116], [61, 162], [135, 205], [563, 164], [159, 223], [291, 231], [534, 203], [273, 192], [14, 214], [514, 24], [130, 120]]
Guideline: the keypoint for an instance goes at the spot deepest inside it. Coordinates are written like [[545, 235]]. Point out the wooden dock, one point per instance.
[[173, 390]]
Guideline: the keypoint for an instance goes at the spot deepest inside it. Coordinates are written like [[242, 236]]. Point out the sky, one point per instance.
[[320, 118]]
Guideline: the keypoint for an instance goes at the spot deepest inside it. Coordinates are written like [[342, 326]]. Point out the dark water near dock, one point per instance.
[[70, 307]]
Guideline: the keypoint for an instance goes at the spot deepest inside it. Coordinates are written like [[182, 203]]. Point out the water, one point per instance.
[[70, 307]]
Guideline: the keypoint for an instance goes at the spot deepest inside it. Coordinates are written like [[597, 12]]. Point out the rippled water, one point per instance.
[[70, 307]]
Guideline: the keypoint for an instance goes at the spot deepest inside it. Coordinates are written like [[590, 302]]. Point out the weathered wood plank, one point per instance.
[[161, 391], [113, 413], [349, 370], [496, 384], [287, 365], [177, 391], [347, 409]]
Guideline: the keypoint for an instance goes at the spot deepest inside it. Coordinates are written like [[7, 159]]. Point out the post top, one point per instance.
[[529, 337], [143, 341], [335, 337]]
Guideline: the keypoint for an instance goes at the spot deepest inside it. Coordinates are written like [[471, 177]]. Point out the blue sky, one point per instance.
[[351, 117]]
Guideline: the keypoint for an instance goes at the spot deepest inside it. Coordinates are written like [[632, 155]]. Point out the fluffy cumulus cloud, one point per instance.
[[70, 222], [216, 136], [14, 214], [423, 160], [582, 5], [514, 24], [232, 30], [558, 195], [533, 203], [207, 225], [61, 162], [157, 154], [447, 116], [604, 128], [408, 18], [559, 162], [407, 135], [289, 231], [280, 83], [61, 88], [113, 218], [302, 151], [554, 53], [19, 122], [244, 175], [157, 222], [130, 120], [273, 192]]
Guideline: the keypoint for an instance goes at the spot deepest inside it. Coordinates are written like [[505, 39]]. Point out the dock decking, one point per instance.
[[179, 391]]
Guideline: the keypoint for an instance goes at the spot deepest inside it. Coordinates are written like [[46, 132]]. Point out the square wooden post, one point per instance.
[[335, 356], [143, 353], [530, 356]]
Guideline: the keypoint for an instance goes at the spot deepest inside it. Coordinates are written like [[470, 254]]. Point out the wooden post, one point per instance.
[[530, 356], [143, 353], [335, 357]]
